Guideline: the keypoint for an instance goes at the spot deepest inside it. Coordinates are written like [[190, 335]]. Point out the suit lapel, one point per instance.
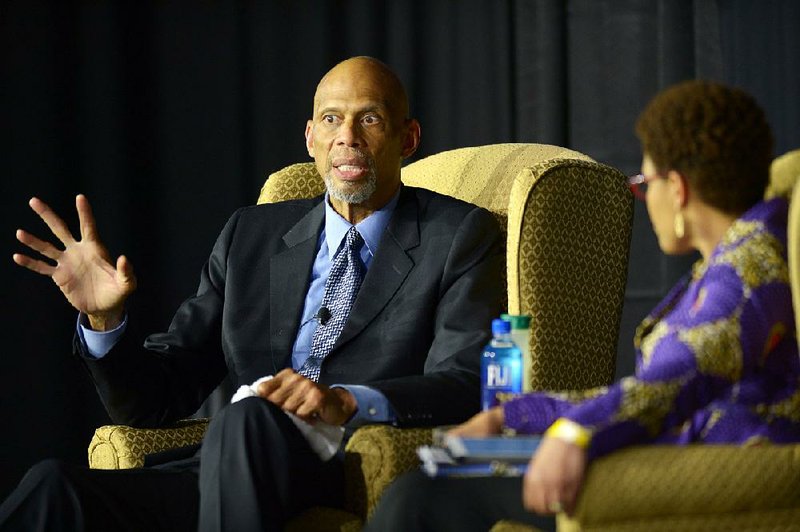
[[288, 282], [390, 266]]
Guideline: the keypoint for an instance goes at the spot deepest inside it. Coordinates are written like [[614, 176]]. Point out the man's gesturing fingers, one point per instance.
[[86, 218], [53, 221], [59, 228], [45, 248]]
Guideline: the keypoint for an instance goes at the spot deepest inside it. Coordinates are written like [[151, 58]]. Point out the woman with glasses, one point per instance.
[[717, 359]]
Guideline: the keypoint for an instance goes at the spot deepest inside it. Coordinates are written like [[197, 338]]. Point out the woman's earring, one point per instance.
[[678, 225]]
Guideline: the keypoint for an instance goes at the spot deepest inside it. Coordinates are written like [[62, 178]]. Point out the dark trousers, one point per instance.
[[255, 471], [418, 503]]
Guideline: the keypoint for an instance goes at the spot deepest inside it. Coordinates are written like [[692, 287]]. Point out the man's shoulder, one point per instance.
[[271, 218]]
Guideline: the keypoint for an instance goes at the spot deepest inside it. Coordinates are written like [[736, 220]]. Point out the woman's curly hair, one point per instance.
[[716, 136]]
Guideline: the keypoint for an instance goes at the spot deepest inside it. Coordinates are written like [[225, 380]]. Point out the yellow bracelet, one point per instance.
[[570, 432]]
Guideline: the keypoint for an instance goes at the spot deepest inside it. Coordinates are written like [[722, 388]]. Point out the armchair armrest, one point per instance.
[[374, 457], [698, 487], [123, 447]]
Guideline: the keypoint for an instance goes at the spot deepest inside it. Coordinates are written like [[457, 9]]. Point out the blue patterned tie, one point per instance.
[[343, 283]]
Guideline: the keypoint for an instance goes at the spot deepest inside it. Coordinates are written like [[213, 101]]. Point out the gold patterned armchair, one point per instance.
[[568, 223]]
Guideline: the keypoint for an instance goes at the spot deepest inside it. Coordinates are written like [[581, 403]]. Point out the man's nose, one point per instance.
[[349, 134]]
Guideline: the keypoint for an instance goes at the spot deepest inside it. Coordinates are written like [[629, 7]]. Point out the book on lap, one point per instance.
[[476, 457]]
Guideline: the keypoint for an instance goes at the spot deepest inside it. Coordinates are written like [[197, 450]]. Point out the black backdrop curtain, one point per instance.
[[170, 115]]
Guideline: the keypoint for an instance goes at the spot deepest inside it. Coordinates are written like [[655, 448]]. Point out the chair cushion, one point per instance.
[[482, 175]]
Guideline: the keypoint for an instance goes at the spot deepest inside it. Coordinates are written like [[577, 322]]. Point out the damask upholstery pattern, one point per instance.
[[122, 447], [694, 487], [300, 180], [572, 219], [379, 454]]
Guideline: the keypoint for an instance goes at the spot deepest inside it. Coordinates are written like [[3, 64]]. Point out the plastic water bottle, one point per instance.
[[501, 367], [521, 335]]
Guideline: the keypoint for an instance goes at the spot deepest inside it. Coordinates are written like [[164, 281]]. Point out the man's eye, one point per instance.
[[329, 119], [370, 119]]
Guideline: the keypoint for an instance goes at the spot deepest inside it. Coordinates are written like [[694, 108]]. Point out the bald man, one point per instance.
[[406, 353]]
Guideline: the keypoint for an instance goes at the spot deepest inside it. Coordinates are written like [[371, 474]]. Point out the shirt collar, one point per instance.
[[371, 228]]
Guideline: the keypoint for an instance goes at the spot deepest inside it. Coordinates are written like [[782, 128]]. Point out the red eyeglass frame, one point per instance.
[[635, 183]]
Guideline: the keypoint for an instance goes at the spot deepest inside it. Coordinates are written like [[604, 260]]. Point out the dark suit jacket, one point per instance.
[[415, 331]]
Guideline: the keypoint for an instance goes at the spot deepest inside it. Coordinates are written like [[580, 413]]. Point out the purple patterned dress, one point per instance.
[[716, 360]]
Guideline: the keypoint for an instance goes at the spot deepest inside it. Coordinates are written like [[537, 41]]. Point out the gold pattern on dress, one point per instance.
[[741, 229], [789, 408], [716, 415], [647, 403], [717, 348], [578, 396], [759, 263], [699, 269], [757, 257], [642, 331], [649, 342]]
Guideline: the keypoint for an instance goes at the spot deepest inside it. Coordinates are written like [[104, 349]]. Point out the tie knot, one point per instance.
[[353, 238]]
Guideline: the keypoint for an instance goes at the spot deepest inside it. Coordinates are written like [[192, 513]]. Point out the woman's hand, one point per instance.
[[554, 477], [486, 423]]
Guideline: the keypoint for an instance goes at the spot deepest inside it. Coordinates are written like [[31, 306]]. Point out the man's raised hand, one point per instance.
[[83, 270]]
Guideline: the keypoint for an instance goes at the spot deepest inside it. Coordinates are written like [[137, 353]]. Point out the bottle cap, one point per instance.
[[500, 326], [518, 321]]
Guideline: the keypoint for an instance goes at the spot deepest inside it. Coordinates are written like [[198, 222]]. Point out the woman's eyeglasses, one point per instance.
[[638, 184]]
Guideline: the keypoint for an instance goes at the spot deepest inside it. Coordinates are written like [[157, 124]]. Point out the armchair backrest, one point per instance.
[[568, 222], [784, 178], [794, 256]]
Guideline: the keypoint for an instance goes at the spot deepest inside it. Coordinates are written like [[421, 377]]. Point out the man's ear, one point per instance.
[[411, 140], [310, 138], [679, 188]]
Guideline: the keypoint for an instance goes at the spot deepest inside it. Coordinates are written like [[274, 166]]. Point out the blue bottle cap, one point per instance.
[[500, 326]]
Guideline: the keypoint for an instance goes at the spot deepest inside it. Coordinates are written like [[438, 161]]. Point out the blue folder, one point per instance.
[[477, 457]]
